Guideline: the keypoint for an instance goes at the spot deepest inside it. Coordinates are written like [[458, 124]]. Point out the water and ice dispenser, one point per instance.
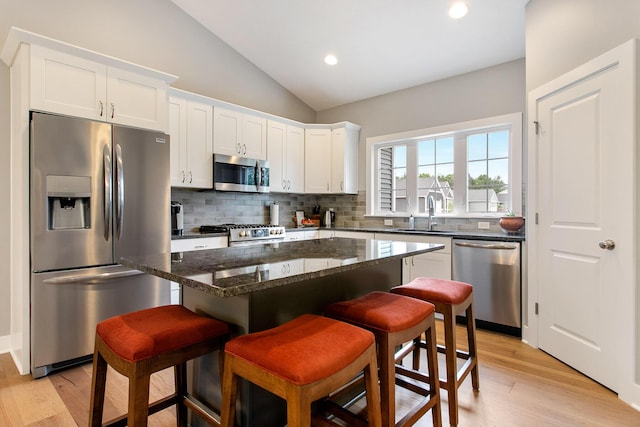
[[69, 202]]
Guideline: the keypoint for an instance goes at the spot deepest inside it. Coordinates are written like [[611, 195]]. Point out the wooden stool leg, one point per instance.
[[471, 338], [434, 381], [180, 373], [452, 364], [387, 380], [229, 394], [298, 408], [373, 392], [98, 385], [139, 396], [416, 354]]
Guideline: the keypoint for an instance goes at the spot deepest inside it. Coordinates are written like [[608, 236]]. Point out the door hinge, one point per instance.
[[536, 218], [537, 125], [536, 308]]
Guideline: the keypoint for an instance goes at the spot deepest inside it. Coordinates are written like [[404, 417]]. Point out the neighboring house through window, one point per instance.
[[470, 168]]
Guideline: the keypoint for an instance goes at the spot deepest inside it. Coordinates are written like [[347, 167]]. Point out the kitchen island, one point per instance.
[[258, 287]]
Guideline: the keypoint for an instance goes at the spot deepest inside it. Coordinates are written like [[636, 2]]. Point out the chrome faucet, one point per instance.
[[431, 208]]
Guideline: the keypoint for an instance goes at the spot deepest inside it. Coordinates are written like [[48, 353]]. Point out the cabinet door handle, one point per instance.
[[238, 148], [184, 176], [288, 185], [101, 109], [244, 151], [190, 177], [113, 110], [200, 247]]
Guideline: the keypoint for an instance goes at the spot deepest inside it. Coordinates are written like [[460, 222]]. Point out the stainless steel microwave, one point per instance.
[[234, 173]]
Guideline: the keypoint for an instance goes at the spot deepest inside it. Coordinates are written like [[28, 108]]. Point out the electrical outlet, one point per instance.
[[483, 225], [388, 222]]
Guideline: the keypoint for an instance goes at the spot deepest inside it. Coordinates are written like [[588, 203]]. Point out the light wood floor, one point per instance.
[[519, 386]]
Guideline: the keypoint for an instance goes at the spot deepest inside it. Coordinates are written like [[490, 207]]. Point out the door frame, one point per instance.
[[628, 335]]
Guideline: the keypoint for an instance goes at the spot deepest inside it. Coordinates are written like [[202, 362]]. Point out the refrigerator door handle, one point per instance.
[[106, 157], [91, 278], [119, 192]]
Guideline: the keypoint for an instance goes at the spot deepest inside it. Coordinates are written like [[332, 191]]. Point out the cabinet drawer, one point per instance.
[[446, 241], [199, 244]]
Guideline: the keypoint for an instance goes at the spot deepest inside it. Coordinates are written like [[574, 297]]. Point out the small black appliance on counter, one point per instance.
[[177, 219]]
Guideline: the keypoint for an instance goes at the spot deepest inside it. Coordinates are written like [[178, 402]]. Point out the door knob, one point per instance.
[[607, 244]]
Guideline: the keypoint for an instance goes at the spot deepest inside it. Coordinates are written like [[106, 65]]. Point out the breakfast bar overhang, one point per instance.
[[258, 287]]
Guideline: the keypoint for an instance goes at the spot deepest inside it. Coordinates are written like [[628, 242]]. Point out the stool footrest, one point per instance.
[[338, 411], [156, 406], [200, 409]]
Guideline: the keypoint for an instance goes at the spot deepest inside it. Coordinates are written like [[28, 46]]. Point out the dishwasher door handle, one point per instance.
[[496, 246]]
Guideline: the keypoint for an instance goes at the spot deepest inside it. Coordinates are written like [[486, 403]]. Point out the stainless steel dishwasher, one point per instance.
[[493, 268]]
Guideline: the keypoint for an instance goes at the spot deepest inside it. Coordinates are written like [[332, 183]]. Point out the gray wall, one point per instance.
[[153, 33], [488, 92], [563, 34]]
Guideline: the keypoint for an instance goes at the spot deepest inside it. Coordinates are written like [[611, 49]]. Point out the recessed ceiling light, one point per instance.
[[330, 59], [458, 10]]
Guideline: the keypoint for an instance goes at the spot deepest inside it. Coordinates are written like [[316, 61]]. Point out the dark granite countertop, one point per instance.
[[234, 271], [472, 235]]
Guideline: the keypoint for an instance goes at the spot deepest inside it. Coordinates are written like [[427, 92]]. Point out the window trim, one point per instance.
[[512, 120]]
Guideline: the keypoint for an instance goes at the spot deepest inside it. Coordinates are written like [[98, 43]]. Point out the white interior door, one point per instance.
[[585, 204]]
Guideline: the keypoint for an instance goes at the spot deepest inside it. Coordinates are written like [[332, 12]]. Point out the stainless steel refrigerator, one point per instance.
[[98, 192]]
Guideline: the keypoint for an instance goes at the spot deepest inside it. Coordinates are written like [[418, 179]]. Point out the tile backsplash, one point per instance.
[[215, 207]]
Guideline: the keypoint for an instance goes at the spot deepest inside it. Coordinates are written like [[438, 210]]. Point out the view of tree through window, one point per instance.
[[468, 169], [488, 171]]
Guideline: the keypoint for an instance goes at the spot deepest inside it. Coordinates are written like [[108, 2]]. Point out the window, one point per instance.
[[471, 168]]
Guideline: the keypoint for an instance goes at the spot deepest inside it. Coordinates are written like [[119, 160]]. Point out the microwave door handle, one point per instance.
[[258, 175], [106, 158], [119, 192]]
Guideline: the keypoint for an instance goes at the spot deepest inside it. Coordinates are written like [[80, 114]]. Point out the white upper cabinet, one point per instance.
[[254, 137], [317, 164], [239, 134], [191, 131], [331, 159], [76, 86], [344, 160], [285, 153]]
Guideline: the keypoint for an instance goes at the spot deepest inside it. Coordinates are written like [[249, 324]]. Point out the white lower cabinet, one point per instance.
[[432, 264], [286, 268], [196, 244], [354, 234], [292, 236]]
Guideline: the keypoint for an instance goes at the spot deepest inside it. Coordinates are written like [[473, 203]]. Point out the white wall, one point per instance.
[[560, 36], [153, 33], [488, 92]]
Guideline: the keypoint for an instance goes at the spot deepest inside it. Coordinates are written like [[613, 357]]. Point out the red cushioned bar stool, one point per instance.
[[140, 343], [301, 361], [395, 320], [451, 298]]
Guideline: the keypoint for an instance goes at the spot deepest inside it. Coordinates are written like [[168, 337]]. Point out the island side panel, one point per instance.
[[267, 308]]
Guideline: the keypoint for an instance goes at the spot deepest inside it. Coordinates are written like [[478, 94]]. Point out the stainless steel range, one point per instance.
[[248, 234]]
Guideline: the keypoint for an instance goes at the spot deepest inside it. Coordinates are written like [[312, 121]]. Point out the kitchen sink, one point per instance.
[[419, 230]]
